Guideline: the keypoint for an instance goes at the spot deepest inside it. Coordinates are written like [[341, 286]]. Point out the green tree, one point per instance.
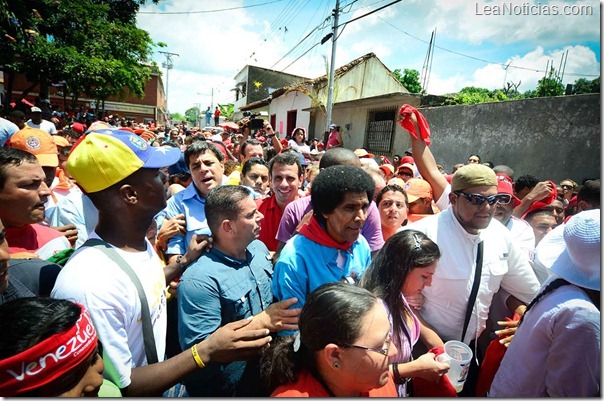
[[92, 46], [192, 116], [550, 85], [177, 117], [409, 79], [474, 95], [583, 85]]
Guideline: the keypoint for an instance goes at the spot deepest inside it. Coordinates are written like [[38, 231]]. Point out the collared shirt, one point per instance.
[[304, 265], [215, 290], [293, 213], [192, 205], [556, 350], [77, 209], [523, 233], [505, 265], [270, 224], [7, 130]]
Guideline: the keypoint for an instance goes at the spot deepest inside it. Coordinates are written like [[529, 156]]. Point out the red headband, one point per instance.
[[48, 360]]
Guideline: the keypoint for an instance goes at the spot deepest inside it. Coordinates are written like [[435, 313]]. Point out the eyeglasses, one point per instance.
[[404, 173], [384, 350], [64, 151], [477, 199], [566, 186]]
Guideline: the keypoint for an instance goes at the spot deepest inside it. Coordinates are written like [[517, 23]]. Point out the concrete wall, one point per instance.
[[550, 138]]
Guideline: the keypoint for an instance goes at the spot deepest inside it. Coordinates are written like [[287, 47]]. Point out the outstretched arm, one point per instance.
[[232, 342], [425, 162]]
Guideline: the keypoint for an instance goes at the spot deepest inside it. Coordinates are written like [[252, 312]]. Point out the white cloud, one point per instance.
[[467, 20], [214, 47], [493, 76]]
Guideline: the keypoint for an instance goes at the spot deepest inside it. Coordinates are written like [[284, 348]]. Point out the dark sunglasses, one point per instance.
[[65, 151], [565, 186], [406, 174], [477, 199]]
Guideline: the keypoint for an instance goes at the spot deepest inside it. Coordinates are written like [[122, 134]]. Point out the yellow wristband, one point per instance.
[[197, 358]]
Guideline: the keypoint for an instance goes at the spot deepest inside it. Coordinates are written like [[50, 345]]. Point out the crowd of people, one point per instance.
[[140, 260]]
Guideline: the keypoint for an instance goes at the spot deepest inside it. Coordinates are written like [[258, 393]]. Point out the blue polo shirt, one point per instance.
[[304, 265], [192, 205], [215, 290]]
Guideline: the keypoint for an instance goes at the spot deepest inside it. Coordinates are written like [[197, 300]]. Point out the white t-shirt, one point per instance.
[[505, 266], [95, 281], [44, 125]]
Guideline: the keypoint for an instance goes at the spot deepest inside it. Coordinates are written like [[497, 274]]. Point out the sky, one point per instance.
[[477, 43]]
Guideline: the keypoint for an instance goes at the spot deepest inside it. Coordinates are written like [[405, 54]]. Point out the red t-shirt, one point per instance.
[[333, 140], [30, 237], [308, 386], [270, 224]]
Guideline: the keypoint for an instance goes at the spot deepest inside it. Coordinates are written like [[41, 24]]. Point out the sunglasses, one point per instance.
[[404, 173], [477, 199], [566, 186]]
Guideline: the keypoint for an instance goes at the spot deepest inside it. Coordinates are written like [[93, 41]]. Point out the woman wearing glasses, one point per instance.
[[402, 268], [342, 349], [568, 188]]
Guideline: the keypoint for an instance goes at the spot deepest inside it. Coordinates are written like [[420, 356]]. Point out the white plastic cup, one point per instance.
[[458, 355]]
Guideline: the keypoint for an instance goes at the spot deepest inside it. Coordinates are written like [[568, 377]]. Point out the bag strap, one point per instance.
[[475, 285], [148, 337]]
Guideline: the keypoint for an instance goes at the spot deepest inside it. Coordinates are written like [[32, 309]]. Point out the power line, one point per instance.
[[480, 59], [207, 11]]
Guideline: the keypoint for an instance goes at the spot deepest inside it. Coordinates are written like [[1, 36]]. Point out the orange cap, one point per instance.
[[39, 143]]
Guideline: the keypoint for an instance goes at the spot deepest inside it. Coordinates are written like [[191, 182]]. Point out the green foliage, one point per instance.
[[177, 117], [226, 110], [550, 85], [92, 45], [583, 85], [409, 79], [474, 95], [192, 116]]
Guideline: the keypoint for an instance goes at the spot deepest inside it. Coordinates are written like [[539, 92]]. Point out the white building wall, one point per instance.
[[367, 79], [290, 101]]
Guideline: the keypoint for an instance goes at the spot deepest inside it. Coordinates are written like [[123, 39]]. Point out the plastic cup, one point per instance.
[[458, 355]]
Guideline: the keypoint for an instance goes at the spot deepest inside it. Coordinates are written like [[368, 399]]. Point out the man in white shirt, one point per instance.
[[458, 231], [120, 173], [36, 121]]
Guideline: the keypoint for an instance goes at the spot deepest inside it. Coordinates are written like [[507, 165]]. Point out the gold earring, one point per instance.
[[336, 365]]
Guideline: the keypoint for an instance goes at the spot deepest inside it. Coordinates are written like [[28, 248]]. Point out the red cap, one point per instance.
[[505, 187], [407, 159]]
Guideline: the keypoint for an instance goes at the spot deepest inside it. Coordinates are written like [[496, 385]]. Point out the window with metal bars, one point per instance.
[[380, 130]]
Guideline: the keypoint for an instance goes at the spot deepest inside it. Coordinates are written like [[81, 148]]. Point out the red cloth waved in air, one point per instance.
[[405, 111]]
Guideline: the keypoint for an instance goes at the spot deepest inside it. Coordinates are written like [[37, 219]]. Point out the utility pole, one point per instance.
[[168, 66], [334, 37]]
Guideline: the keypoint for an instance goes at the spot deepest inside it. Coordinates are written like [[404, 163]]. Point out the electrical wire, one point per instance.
[[207, 11], [477, 58]]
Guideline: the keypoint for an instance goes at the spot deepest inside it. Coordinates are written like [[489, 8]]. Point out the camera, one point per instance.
[[254, 123]]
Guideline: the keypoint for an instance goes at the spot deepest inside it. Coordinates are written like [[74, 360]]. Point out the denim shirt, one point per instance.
[[215, 290]]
